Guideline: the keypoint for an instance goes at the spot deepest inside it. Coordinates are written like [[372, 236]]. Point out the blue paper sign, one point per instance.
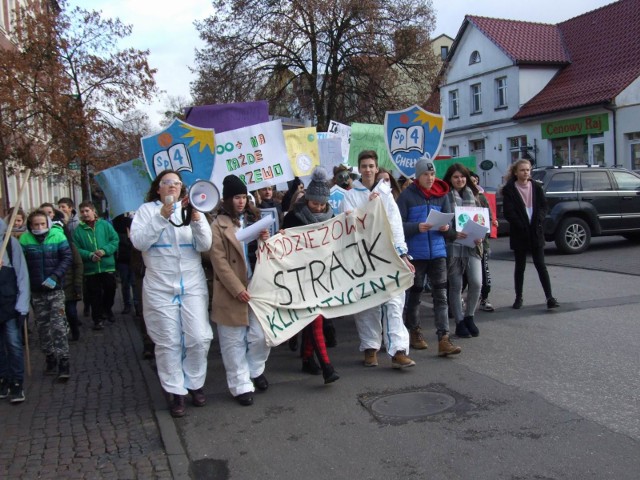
[[182, 148], [125, 186]]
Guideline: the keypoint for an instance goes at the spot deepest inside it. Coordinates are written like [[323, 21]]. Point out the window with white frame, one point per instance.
[[501, 92], [454, 151], [517, 145], [476, 98], [454, 104], [474, 58]]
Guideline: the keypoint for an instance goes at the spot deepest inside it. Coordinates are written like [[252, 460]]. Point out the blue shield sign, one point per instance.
[[183, 148], [412, 134]]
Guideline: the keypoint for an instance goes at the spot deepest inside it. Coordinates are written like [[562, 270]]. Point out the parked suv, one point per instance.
[[586, 201]]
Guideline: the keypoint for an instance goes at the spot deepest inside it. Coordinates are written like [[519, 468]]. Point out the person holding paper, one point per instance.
[[174, 295], [242, 343], [314, 208], [525, 208], [370, 328], [462, 259], [422, 200]]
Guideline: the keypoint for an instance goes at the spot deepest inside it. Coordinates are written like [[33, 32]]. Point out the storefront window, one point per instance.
[[572, 151]]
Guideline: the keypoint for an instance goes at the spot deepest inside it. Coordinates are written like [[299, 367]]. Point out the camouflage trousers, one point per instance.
[[51, 322]]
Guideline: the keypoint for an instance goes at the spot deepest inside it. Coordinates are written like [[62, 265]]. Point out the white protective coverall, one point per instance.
[[175, 297], [385, 319]]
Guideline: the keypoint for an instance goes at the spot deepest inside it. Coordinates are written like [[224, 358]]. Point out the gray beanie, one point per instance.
[[318, 189], [424, 165]]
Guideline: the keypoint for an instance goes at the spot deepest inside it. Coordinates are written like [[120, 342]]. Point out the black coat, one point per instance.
[[524, 235]]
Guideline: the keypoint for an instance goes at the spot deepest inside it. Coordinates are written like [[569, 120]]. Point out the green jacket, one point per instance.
[[101, 237]]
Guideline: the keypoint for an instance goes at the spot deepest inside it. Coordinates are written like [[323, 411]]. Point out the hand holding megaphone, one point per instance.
[[203, 197]]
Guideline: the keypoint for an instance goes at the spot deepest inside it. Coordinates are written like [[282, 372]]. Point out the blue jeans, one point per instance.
[[436, 272], [11, 352]]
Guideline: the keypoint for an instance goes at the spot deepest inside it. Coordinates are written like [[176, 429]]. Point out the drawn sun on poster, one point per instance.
[[200, 137]]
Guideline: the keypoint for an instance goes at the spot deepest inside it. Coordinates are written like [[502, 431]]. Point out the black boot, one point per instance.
[[462, 331], [52, 365], [310, 366], [329, 374], [471, 326], [63, 370]]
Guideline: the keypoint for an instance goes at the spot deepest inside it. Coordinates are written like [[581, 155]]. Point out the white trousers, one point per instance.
[[244, 354], [383, 324], [182, 335]]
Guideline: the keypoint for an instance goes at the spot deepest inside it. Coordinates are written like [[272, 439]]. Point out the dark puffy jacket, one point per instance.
[[414, 208], [51, 258]]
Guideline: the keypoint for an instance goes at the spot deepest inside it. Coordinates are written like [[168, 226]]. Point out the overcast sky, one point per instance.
[[165, 28]]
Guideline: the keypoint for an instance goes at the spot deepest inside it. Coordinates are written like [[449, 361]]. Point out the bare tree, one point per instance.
[[323, 59], [174, 107]]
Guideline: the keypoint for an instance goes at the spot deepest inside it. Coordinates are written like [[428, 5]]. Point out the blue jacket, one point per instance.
[[51, 258], [414, 209]]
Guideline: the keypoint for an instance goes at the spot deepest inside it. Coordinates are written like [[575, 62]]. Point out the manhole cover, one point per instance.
[[412, 404]]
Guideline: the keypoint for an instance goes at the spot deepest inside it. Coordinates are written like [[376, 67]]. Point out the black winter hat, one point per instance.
[[232, 186]]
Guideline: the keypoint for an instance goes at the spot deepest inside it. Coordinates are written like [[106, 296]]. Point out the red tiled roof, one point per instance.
[[523, 42], [604, 47]]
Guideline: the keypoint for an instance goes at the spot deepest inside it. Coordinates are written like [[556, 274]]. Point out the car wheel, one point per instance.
[[573, 235]]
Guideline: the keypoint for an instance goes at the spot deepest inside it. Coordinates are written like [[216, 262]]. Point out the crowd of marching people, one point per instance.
[[170, 263]]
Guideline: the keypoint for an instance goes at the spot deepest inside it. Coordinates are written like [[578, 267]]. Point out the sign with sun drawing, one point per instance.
[[182, 148]]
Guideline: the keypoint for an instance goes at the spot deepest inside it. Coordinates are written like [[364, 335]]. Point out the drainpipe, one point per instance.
[[615, 136]]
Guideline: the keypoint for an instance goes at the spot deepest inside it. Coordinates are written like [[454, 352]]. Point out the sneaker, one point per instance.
[[63, 370], [310, 366], [552, 303], [518, 303], [445, 347], [198, 398], [260, 382], [51, 367], [110, 317], [98, 326], [401, 360], [245, 399], [4, 388], [177, 406], [416, 340], [16, 393], [370, 357], [462, 331], [485, 306], [471, 326]]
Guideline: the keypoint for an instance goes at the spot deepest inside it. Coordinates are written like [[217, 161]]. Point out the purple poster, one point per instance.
[[228, 116]]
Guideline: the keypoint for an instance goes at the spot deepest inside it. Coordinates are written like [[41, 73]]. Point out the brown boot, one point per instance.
[[370, 357], [416, 340], [401, 360], [445, 347]]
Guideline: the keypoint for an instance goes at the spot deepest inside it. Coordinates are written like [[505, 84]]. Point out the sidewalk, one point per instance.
[[100, 424]]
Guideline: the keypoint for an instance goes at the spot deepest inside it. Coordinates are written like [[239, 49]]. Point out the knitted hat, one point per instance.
[[424, 165], [318, 188], [232, 186]]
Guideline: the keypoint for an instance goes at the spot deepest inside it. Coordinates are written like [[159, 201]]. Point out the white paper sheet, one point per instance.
[[474, 232], [438, 219], [252, 232]]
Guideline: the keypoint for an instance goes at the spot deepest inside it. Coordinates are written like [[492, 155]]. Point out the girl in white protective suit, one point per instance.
[[175, 297], [242, 343]]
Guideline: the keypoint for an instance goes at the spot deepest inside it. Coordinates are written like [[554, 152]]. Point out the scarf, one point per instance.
[[467, 199], [307, 217]]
